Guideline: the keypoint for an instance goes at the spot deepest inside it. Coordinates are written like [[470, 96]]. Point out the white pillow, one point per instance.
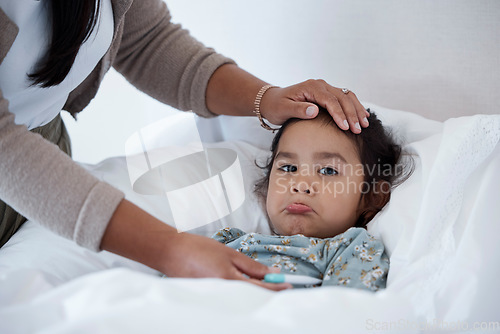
[[233, 128], [34, 250]]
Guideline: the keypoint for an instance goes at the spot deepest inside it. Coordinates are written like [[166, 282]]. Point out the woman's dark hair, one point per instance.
[[379, 154], [72, 24]]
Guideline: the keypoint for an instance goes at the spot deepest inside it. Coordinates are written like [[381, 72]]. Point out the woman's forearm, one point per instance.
[[135, 234], [231, 91]]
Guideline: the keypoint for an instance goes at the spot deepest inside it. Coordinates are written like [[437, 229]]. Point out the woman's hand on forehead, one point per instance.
[[302, 101]]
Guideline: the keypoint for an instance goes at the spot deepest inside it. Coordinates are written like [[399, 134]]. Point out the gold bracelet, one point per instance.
[[256, 103]]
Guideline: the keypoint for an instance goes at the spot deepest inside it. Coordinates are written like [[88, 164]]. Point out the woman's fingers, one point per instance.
[[252, 268], [352, 109], [253, 272], [345, 108], [340, 107], [360, 110], [270, 286]]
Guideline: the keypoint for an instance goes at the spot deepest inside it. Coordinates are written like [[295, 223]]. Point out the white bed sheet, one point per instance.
[[440, 230]]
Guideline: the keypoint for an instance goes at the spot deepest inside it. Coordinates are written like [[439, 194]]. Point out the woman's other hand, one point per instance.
[[301, 100], [137, 235], [192, 255]]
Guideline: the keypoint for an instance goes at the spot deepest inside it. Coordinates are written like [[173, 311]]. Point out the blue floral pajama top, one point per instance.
[[354, 258]]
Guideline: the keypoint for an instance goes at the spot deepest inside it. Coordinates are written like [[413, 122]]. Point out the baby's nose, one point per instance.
[[302, 187]]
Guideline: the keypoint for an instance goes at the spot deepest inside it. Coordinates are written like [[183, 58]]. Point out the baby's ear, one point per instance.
[[374, 200]]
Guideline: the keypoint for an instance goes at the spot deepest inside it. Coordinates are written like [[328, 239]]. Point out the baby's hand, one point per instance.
[[301, 100]]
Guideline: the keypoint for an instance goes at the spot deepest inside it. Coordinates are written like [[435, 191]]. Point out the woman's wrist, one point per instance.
[[257, 107], [232, 91]]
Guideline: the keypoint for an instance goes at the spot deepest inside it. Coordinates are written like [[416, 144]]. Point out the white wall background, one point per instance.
[[436, 58]]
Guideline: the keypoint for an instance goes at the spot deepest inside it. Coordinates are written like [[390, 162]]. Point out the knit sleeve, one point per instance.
[[164, 60], [45, 185]]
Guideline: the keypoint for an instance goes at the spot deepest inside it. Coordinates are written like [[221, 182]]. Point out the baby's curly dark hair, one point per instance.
[[380, 155]]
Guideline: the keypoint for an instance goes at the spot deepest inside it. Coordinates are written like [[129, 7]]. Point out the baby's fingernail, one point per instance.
[[310, 111], [274, 270], [346, 124], [365, 120], [357, 126]]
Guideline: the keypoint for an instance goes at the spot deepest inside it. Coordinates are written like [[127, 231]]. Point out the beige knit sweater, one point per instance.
[[156, 56]]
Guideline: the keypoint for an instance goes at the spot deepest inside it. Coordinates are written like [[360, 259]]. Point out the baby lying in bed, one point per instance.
[[322, 186]]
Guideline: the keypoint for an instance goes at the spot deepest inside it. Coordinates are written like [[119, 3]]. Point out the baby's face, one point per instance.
[[315, 181]]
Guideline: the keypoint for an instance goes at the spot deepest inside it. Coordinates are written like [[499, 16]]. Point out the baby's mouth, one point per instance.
[[298, 208]]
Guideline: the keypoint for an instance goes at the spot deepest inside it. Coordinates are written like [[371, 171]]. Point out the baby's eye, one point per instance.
[[328, 171], [288, 168]]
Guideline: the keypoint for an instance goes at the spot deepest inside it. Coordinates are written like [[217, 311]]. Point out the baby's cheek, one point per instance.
[[341, 208], [272, 209], [270, 204]]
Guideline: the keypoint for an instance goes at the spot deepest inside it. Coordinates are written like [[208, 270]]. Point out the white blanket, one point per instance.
[[440, 230]]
